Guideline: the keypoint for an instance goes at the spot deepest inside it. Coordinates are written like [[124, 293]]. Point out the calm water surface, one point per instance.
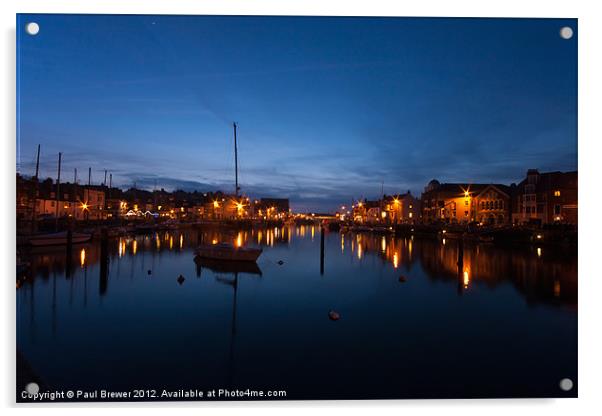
[[504, 325]]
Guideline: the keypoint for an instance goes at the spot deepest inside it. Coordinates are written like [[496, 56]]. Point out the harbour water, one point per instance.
[[413, 323]]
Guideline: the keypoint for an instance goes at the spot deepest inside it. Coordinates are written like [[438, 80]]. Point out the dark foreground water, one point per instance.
[[504, 325]]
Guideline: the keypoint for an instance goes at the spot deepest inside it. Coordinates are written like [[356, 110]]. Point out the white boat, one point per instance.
[[227, 252], [55, 239]]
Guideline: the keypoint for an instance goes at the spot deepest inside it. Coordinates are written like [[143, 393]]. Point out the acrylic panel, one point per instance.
[[295, 208]]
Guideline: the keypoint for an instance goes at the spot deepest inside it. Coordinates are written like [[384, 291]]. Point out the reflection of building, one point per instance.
[[463, 203], [545, 198], [549, 280]]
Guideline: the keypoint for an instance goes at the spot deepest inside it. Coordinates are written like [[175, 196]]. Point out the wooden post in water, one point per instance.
[[321, 249], [104, 261], [461, 266]]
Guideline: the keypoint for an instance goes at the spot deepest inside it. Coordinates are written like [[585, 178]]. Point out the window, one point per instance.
[[556, 193], [466, 202], [556, 209], [466, 213]]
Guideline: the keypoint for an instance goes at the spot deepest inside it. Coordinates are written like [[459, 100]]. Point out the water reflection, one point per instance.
[[256, 321], [546, 278]]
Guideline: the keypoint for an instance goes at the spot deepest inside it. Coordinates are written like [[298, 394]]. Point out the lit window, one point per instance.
[[556, 193]]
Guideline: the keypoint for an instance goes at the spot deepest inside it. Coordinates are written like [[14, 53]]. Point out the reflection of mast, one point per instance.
[[32, 308], [86, 284], [104, 262], [54, 303], [234, 284], [233, 334]]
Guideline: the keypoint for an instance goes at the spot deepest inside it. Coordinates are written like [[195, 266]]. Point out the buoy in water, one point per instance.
[[334, 316], [280, 262], [181, 279], [402, 279]]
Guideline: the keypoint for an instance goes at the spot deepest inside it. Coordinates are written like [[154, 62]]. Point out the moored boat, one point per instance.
[[227, 252], [60, 238]]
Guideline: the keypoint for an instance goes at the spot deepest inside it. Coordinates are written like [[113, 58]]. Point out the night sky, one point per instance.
[[327, 108]]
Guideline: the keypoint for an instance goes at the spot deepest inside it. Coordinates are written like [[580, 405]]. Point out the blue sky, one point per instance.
[[327, 108]]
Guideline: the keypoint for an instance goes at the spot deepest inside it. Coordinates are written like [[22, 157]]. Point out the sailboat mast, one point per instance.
[[235, 161], [38, 163], [58, 192]]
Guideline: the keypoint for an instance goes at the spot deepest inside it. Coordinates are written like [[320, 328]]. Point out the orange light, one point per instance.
[[82, 257]]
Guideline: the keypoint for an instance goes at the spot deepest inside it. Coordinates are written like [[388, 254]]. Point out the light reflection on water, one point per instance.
[[498, 315]]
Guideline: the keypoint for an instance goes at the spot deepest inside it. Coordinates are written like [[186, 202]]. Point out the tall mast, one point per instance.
[[235, 161], [58, 192], [38, 163], [35, 193], [74, 193]]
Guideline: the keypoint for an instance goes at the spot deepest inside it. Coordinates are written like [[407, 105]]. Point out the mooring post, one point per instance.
[[461, 266], [321, 249]]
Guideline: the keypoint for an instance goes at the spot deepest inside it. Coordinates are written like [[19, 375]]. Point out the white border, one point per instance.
[[590, 277]]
